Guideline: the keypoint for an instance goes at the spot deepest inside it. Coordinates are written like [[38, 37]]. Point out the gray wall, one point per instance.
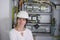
[[56, 15], [5, 19]]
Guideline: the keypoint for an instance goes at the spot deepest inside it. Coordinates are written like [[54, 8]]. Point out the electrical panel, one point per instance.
[[39, 16], [37, 7]]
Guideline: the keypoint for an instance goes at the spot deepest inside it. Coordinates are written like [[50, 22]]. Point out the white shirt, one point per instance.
[[15, 35]]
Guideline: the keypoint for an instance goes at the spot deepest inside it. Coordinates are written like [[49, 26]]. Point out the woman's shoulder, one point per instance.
[[12, 30], [28, 30]]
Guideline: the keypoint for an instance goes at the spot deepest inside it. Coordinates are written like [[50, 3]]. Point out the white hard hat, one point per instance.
[[23, 14]]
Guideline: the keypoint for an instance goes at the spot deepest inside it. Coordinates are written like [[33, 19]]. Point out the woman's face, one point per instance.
[[21, 21]]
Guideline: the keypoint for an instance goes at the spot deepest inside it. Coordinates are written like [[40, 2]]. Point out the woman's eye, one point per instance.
[[22, 19]]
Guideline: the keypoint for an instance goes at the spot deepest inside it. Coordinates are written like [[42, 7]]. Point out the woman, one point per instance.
[[20, 32]]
